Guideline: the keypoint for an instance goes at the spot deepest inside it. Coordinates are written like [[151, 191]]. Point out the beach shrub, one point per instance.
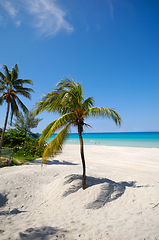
[[14, 138], [23, 145], [30, 147]]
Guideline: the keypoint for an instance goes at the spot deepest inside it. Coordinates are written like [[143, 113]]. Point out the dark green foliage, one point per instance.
[[14, 138], [22, 144], [31, 147]]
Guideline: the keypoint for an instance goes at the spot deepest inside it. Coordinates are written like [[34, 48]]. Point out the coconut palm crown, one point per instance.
[[11, 87], [67, 99]]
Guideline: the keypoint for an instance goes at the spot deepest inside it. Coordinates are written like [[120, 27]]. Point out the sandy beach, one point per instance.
[[119, 203]]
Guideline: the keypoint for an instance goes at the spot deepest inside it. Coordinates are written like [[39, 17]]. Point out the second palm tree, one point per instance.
[[67, 99]]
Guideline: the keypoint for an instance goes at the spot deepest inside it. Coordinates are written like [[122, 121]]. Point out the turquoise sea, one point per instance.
[[126, 139]]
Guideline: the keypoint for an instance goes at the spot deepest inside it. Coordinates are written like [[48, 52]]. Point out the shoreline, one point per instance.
[[119, 203]]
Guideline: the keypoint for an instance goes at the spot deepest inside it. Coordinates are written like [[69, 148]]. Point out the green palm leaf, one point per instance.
[[46, 133], [104, 112], [22, 106], [56, 125], [55, 146], [1, 100]]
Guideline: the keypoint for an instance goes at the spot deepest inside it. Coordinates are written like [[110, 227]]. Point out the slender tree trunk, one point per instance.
[[82, 157], [4, 128]]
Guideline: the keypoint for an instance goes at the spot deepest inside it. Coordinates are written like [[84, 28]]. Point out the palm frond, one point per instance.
[[22, 106], [7, 74], [88, 102], [62, 121], [23, 81], [66, 83], [46, 133], [23, 93], [1, 100], [2, 87], [55, 146], [104, 112], [21, 89], [56, 125], [3, 77], [14, 74], [14, 108]]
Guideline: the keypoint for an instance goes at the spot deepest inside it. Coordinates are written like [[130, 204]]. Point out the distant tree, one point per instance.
[[68, 100], [26, 121], [11, 87]]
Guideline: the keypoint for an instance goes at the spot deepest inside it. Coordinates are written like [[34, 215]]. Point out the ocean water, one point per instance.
[[125, 139]]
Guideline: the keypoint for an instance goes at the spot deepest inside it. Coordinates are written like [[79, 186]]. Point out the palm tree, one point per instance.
[[68, 100], [11, 87]]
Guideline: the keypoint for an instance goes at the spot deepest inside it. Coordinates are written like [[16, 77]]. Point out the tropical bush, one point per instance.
[[30, 147], [14, 138], [23, 145]]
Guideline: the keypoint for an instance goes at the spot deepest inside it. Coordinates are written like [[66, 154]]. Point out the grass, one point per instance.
[[3, 159], [18, 160]]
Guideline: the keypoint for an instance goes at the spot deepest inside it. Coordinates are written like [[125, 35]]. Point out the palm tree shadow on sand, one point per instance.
[[110, 190], [50, 162]]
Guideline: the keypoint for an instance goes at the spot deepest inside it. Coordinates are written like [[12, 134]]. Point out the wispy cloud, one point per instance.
[[44, 15], [9, 7], [1, 19], [48, 17], [111, 8]]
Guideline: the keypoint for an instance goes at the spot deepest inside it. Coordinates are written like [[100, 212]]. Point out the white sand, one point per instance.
[[48, 203]]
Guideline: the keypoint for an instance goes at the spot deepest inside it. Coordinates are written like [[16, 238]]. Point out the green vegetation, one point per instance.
[[68, 100], [11, 87], [17, 160], [14, 138], [26, 121], [2, 159], [25, 147]]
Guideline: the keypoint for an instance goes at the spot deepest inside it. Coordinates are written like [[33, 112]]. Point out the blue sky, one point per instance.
[[111, 47]]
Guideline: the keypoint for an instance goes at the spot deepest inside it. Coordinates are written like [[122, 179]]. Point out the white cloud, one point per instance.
[[44, 15]]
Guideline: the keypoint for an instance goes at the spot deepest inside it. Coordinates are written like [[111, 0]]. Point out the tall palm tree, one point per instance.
[[67, 99], [11, 87]]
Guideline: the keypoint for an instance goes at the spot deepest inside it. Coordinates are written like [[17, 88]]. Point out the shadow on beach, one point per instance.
[[42, 233], [110, 190], [3, 202], [3, 199], [50, 162]]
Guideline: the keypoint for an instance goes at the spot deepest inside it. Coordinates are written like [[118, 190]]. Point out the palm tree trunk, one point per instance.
[[4, 128], [82, 157]]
